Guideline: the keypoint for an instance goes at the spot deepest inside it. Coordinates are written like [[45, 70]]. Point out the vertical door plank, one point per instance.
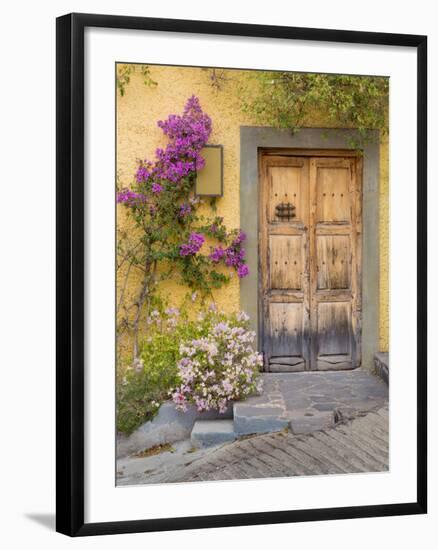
[[313, 271], [283, 253], [335, 273]]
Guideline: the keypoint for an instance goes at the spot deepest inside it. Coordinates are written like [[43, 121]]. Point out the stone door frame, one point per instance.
[[254, 138]]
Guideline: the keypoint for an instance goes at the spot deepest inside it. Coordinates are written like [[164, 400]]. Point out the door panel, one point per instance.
[[285, 182], [310, 257], [286, 334], [333, 198], [285, 262], [333, 262], [334, 329]]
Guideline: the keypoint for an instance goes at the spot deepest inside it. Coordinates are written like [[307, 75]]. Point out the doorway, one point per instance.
[[310, 268]]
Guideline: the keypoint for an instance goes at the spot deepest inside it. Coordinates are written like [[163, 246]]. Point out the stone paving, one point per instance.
[[359, 445], [309, 401], [136, 470], [325, 422]]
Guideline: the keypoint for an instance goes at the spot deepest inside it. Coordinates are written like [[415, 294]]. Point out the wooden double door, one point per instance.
[[310, 259]]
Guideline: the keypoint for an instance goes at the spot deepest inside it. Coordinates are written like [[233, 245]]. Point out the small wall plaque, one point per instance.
[[210, 180]]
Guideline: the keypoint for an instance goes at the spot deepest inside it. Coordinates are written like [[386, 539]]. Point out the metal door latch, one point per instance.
[[285, 210]]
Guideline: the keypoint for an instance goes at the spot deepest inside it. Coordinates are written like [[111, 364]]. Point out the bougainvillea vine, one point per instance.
[[177, 238]]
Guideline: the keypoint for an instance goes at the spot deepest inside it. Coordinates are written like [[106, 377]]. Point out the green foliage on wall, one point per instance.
[[290, 100], [124, 73]]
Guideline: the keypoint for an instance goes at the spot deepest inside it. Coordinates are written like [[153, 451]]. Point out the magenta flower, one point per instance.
[[196, 240], [239, 239], [177, 163], [143, 172], [130, 198], [184, 210], [181, 157], [187, 133], [217, 254], [234, 256], [156, 188]]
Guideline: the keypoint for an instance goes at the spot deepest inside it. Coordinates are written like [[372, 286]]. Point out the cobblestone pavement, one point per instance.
[[309, 401], [355, 390], [358, 445]]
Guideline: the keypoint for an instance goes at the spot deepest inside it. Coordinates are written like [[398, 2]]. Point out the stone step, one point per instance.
[[208, 433], [258, 419]]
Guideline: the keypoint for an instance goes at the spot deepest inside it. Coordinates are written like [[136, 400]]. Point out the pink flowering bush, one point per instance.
[[207, 361], [172, 239], [218, 366]]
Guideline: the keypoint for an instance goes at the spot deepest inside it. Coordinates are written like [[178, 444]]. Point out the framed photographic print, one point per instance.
[[241, 247]]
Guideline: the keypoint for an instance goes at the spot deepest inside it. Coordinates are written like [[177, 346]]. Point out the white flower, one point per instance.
[[242, 316]]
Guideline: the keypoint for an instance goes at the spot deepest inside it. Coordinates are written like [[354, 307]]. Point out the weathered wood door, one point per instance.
[[310, 260]]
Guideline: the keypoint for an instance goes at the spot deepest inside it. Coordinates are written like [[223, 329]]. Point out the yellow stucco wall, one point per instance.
[[138, 136]]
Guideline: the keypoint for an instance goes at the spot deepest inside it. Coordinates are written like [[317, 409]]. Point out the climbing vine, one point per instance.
[[217, 78], [170, 236], [290, 100], [124, 73]]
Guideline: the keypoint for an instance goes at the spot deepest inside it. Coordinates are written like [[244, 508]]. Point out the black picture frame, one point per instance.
[[70, 273]]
